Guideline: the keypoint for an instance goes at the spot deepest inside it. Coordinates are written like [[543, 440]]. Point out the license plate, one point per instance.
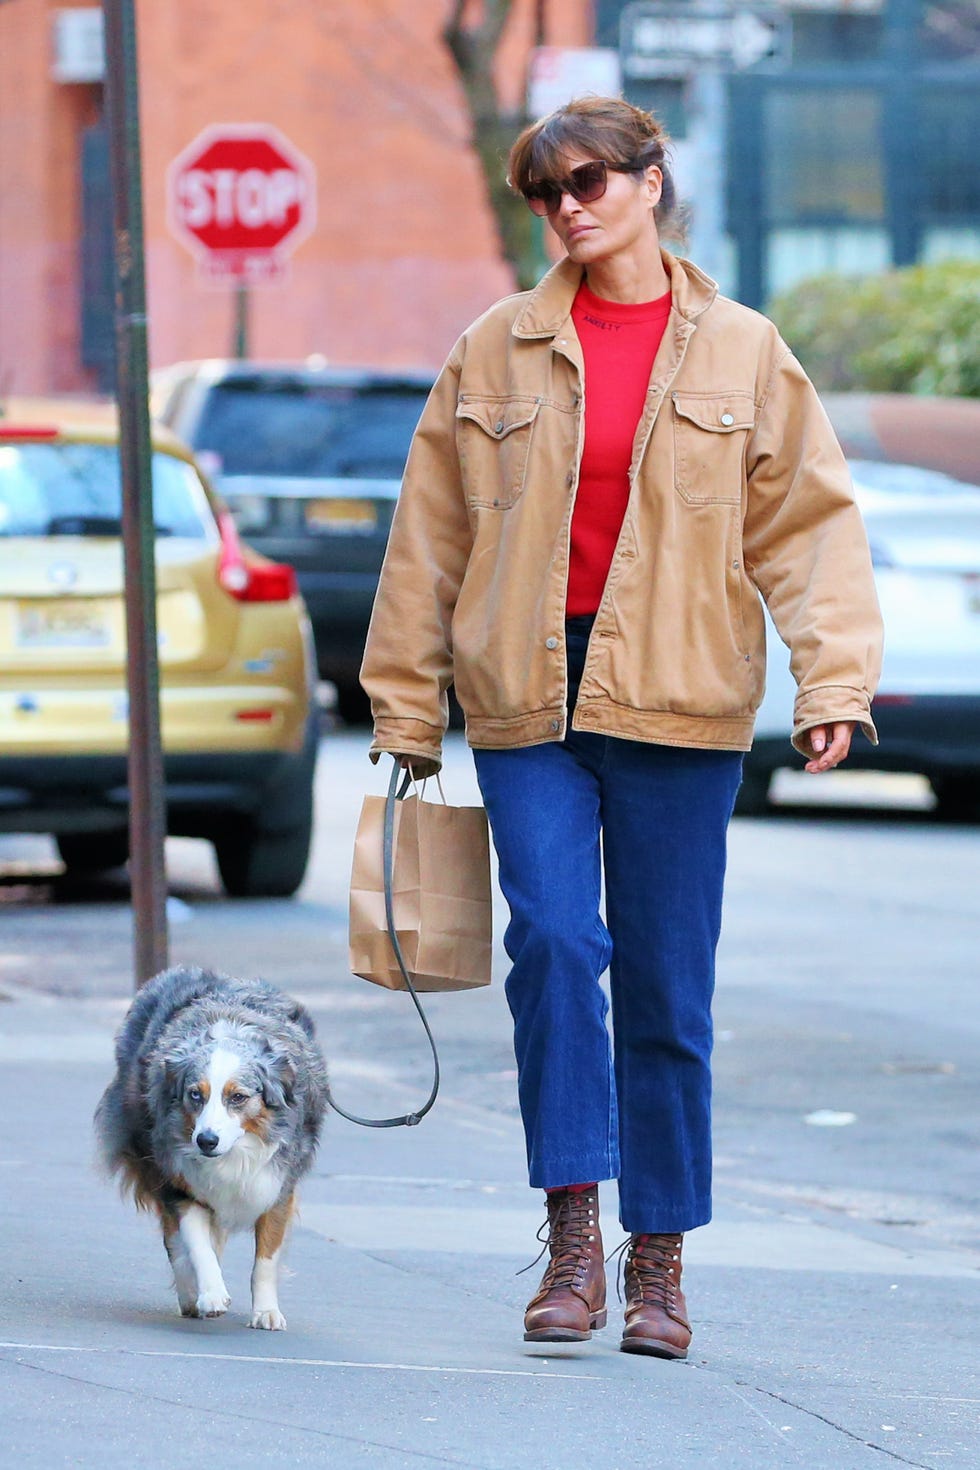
[[61, 625], [342, 517]]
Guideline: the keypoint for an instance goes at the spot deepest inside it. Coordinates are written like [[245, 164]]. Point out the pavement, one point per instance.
[[815, 1346], [834, 1296]]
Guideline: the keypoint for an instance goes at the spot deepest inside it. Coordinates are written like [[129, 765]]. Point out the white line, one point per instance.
[[48, 1347]]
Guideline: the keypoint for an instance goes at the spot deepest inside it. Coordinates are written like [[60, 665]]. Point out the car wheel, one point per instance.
[[257, 864], [753, 794], [957, 797], [93, 852]]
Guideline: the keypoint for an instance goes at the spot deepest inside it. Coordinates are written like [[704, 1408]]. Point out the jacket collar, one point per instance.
[[548, 305]]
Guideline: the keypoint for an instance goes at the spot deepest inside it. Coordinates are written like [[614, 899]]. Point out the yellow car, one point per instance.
[[237, 706]]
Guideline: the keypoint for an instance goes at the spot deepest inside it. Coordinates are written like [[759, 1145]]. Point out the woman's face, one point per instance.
[[621, 222]]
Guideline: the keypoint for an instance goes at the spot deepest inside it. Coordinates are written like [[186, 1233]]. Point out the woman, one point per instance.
[[610, 470]]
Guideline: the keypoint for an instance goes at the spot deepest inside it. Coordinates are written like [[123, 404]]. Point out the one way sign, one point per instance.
[[656, 38]]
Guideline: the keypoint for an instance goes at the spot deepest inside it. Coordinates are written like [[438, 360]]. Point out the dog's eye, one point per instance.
[[237, 1099], [195, 1095]]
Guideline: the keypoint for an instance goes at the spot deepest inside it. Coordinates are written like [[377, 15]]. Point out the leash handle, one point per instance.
[[408, 1120]]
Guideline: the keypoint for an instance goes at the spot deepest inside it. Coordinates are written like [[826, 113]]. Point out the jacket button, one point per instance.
[[499, 426], [727, 419], [551, 643], [556, 724]]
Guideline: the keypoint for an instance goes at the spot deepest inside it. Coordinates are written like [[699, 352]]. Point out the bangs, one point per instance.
[[545, 155]]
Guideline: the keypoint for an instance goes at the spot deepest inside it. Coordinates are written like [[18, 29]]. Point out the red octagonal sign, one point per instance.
[[242, 198]]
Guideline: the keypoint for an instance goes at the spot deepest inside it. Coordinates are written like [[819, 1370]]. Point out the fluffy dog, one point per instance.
[[211, 1120]]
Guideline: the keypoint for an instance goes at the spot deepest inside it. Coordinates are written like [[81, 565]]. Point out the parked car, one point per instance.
[[309, 459], [238, 713], [924, 531]]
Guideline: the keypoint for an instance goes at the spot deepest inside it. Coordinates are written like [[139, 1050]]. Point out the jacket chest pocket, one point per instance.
[[493, 438], [710, 431]]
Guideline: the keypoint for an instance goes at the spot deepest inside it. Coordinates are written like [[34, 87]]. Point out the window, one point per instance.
[[824, 157]]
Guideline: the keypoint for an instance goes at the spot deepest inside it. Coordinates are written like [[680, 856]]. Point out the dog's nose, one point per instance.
[[207, 1141]]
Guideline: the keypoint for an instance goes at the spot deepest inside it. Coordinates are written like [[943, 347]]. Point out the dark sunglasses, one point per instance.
[[586, 183]]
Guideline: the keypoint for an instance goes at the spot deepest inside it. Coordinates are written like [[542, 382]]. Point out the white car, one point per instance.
[[924, 530]]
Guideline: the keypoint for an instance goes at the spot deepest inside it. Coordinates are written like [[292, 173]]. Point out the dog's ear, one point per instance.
[[279, 1081], [174, 1074]]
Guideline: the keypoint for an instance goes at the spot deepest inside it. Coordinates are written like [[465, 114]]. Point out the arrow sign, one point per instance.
[[656, 37]]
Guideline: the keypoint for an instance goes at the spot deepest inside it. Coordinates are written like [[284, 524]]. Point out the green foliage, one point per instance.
[[915, 330]]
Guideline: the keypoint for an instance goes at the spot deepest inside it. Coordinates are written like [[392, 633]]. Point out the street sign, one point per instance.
[[658, 39], [559, 73], [241, 197]]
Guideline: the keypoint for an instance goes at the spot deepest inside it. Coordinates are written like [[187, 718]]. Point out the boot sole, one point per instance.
[[652, 1348], [567, 1334]]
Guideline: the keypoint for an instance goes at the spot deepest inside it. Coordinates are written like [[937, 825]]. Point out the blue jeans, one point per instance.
[[643, 1118]]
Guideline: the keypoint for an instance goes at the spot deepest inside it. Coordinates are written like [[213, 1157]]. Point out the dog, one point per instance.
[[212, 1119]]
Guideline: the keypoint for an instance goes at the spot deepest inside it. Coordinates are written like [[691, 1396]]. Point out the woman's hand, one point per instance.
[[830, 745]]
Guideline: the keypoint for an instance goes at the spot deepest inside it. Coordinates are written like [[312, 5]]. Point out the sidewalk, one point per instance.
[[815, 1346]]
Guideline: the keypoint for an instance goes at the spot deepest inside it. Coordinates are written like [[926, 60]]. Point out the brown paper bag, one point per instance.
[[441, 896]]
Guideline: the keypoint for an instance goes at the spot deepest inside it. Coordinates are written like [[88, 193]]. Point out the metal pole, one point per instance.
[[147, 812], [240, 342]]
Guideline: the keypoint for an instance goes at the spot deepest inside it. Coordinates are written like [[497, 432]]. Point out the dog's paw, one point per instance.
[[271, 1320], [212, 1303]]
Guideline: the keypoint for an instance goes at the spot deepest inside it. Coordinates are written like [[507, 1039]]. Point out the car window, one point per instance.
[[76, 490], [310, 430]]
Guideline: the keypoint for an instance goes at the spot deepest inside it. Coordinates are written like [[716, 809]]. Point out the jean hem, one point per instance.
[[660, 1219], [579, 1171]]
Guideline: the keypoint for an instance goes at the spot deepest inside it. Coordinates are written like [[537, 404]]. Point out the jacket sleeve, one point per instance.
[[408, 658], [806, 549]]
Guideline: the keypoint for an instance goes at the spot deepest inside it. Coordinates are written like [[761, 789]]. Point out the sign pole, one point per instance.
[[240, 344], [147, 811]]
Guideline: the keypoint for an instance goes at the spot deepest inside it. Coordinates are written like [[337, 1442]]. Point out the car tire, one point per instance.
[[957, 797], [93, 852], [265, 855], [752, 799], [257, 864]]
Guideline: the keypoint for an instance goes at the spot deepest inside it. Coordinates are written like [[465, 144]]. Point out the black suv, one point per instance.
[[309, 459]]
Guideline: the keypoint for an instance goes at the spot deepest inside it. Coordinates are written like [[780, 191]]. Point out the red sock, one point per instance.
[[572, 1188]]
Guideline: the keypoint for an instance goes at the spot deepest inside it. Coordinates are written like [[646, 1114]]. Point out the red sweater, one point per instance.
[[619, 344]]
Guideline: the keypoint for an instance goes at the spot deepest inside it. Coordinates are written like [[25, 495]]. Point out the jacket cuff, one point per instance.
[[829, 705], [407, 737]]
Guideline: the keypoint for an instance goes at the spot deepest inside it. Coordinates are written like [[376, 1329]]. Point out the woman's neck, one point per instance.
[[629, 280]]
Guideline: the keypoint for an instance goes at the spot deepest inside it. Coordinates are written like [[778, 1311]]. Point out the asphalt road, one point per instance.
[[835, 1295]]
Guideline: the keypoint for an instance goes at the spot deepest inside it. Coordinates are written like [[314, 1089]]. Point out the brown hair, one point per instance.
[[603, 127]]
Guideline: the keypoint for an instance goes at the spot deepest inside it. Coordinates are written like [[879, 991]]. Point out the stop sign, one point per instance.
[[242, 198]]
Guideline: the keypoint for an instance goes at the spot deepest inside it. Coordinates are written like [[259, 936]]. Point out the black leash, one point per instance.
[[409, 1120]]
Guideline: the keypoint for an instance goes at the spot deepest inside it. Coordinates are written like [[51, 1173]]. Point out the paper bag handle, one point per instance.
[[408, 1119]]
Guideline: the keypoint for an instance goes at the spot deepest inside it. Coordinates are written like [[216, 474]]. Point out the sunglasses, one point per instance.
[[586, 183]]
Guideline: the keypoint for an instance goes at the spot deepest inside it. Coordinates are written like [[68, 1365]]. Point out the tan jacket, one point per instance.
[[738, 487]]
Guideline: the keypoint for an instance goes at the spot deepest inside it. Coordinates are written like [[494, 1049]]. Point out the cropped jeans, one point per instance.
[[653, 819]]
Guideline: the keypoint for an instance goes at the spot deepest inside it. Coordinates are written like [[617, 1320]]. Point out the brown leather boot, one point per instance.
[[571, 1300], [656, 1312]]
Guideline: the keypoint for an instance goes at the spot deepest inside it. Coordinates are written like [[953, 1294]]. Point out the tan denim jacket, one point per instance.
[[737, 487]]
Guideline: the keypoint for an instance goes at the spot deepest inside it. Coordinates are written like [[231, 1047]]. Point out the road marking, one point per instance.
[[50, 1347]]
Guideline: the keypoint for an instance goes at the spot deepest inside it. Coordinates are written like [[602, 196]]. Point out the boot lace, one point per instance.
[[645, 1265], [567, 1233]]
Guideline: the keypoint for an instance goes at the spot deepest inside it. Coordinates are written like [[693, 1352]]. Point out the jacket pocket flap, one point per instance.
[[718, 414], [498, 417]]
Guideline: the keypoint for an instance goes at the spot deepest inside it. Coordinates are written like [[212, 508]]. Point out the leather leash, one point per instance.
[[408, 1120]]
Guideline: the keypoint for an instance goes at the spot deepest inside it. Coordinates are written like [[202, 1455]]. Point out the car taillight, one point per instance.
[[246, 580], [27, 431]]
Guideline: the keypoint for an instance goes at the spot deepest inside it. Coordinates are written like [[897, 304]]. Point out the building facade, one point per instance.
[[405, 248], [851, 148]]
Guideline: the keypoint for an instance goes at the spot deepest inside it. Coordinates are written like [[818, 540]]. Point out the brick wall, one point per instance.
[[405, 250]]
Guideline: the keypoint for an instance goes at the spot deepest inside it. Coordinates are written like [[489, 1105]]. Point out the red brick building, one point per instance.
[[404, 252]]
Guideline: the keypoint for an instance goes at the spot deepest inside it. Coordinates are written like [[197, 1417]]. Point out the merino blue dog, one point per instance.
[[212, 1119]]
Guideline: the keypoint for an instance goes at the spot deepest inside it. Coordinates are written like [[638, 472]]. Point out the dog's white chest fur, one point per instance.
[[240, 1185]]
